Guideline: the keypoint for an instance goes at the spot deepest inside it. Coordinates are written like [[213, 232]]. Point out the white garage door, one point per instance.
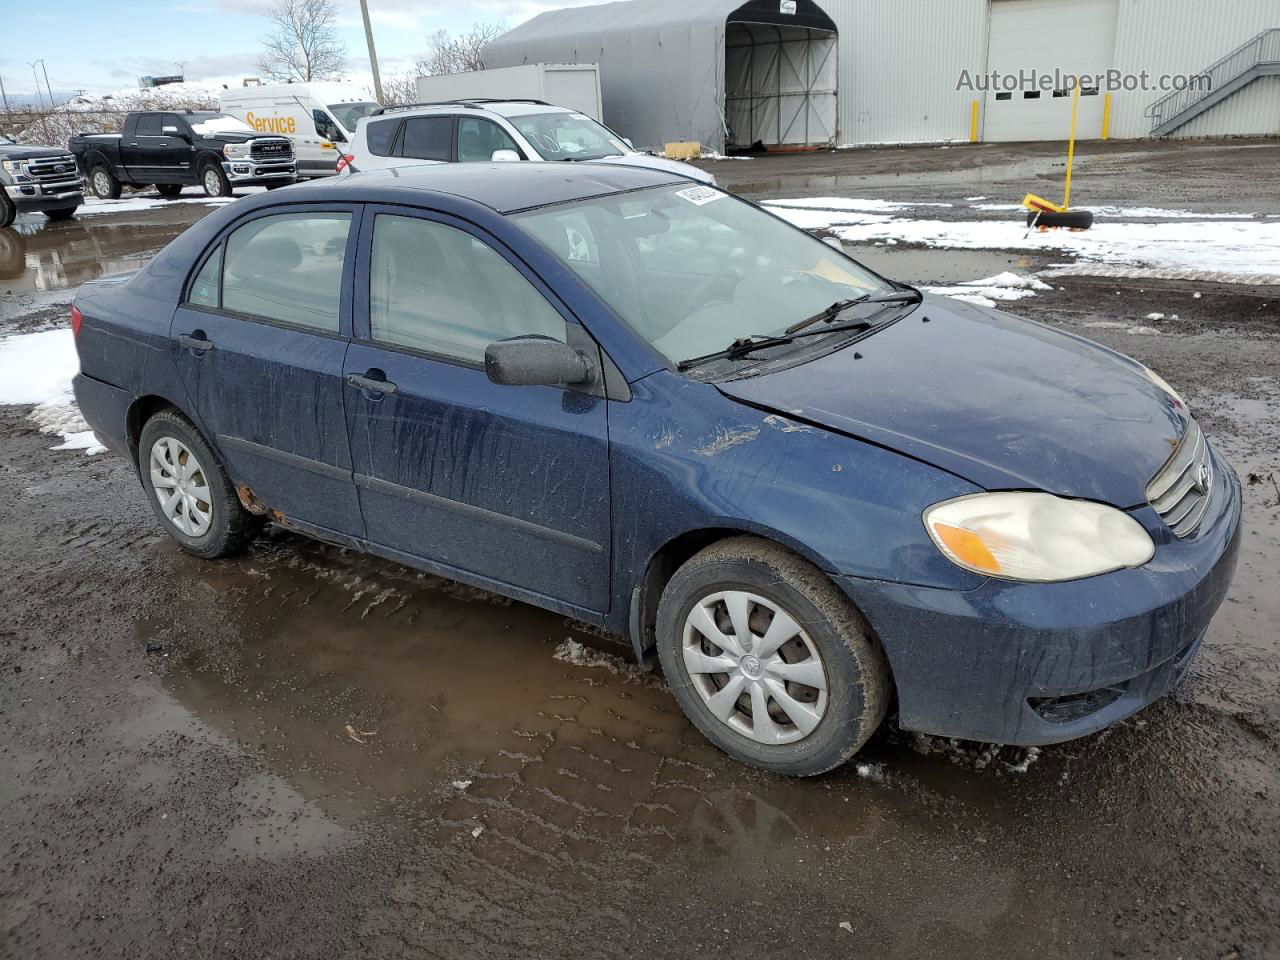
[[1039, 36]]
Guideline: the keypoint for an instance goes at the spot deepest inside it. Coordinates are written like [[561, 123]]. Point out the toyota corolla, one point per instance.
[[813, 493]]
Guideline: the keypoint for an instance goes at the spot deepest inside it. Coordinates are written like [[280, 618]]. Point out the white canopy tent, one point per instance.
[[724, 73]]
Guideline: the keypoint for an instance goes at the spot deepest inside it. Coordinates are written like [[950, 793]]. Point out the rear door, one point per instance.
[[507, 483], [427, 138], [259, 341]]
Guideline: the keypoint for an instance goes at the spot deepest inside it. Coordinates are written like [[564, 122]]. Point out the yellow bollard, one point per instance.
[[973, 122], [1071, 144], [1106, 116]]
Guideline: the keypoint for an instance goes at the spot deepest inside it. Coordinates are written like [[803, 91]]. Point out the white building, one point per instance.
[[911, 71]]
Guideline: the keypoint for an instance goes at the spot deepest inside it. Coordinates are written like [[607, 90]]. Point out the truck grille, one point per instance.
[[1180, 491], [52, 168], [271, 149]]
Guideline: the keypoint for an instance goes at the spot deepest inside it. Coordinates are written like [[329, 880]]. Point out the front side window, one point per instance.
[[287, 268], [479, 138], [692, 269], [439, 290], [325, 126], [568, 136], [427, 138], [148, 125]]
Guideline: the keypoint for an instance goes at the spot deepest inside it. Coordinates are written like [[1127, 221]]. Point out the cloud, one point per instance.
[[218, 66]]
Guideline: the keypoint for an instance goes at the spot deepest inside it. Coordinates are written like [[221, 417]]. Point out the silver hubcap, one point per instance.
[[101, 183], [212, 185], [181, 487], [754, 667]]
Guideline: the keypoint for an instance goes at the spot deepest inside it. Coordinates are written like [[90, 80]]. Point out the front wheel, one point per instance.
[[769, 660], [215, 182], [8, 210], [104, 183], [189, 490], [62, 213]]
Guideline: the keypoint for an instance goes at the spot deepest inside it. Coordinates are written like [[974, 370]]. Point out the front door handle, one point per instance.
[[195, 341], [370, 384]]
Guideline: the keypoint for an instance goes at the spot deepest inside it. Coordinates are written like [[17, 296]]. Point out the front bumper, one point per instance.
[[248, 172], [1030, 664], [40, 196]]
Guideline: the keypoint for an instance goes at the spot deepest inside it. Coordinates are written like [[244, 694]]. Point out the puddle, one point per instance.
[[38, 255], [928, 266]]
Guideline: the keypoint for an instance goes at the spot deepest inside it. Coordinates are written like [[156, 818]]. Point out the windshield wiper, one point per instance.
[[745, 345], [909, 295]]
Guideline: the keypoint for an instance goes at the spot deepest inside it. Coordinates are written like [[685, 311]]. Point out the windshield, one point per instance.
[[692, 269], [348, 113], [207, 124], [568, 136]]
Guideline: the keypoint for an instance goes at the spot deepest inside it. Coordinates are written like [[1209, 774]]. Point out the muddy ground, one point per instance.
[[308, 753]]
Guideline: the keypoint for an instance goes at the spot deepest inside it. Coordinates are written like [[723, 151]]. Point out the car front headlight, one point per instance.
[[13, 166], [1036, 537], [236, 150]]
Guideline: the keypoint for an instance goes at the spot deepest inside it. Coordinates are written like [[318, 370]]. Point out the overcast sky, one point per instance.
[[99, 47]]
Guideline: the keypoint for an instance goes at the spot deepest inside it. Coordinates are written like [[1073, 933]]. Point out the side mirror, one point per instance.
[[834, 243], [504, 156], [170, 131], [536, 361]]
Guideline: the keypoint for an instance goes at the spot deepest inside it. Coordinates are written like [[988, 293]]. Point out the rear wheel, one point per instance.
[[169, 189], [214, 181], [189, 490], [62, 213], [104, 183], [769, 660]]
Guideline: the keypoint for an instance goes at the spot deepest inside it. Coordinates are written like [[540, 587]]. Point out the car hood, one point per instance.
[[659, 163], [1003, 402], [13, 151]]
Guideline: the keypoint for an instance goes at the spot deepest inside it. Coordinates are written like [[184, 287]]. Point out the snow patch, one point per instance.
[[985, 293], [580, 655], [36, 369]]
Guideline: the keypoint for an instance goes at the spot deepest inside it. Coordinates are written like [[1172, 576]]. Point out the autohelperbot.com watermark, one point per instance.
[[1062, 82]]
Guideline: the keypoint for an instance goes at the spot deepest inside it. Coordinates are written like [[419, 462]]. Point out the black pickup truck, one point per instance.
[[43, 179], [172, 149]]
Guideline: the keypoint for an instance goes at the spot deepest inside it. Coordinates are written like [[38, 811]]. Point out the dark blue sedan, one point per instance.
[[651, 406]]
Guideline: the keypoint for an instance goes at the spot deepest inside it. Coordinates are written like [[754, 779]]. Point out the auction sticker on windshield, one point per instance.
[[699, 195]]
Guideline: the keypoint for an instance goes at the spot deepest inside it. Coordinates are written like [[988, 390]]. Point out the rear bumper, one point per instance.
[[1030, 664], [106, 409]]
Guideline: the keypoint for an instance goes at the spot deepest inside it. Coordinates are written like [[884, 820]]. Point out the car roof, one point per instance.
[[503, 187], [503, 108]]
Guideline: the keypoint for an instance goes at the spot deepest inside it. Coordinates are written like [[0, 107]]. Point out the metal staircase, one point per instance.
[[1259, 57]]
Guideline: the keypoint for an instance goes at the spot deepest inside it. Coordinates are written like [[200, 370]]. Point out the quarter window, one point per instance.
[[427, 138], [379, 135], [478, 139], [439, 290], [207, 286], [287, 268]]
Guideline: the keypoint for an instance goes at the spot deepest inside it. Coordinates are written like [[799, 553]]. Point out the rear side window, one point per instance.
[[207, 286], [148, 125], [379, 135], [439, 290], [287, 268], [427, 138]]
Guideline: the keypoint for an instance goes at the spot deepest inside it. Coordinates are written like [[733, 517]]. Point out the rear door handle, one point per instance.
[[197, 343], [369, 384]]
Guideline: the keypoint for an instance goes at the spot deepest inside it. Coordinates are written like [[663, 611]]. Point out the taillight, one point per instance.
[[346, 160], [77, 318]]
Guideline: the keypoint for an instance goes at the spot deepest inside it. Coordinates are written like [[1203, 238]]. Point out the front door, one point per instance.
[[506, 483], [259, 342], [151, 155]]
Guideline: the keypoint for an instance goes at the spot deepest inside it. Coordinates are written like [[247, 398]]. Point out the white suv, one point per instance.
[[483, 130]]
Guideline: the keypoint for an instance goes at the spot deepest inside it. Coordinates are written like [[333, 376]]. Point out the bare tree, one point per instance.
[[399, 89], [303, 44], [460, 54]]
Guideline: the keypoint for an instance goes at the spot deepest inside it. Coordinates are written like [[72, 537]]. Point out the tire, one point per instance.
[[169, 189], [8, 210], [829, 634], [214, 181], [1072, 219], [104, 184], [62, 213], [211, 522]]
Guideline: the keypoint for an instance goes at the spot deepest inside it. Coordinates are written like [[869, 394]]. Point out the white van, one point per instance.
[[320, 118]]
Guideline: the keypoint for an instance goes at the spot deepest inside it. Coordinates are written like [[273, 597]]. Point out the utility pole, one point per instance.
[[36, 77], [5, 97], [45, 70], [373, 54]]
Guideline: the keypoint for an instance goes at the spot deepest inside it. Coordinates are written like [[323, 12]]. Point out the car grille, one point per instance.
[[1180, 491], [270, 149]]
